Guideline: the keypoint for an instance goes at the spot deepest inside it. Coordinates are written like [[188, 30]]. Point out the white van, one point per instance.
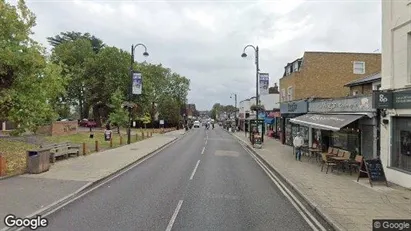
[[196, 124]]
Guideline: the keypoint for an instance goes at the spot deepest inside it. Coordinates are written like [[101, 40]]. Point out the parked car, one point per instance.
[[196, 124], [88, 123]]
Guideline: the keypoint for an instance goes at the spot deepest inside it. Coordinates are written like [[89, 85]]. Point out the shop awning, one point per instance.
[[329, 122], [269, 120]]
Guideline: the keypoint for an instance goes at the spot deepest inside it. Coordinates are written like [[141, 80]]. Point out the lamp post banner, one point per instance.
[[137, 83], [264, 82]]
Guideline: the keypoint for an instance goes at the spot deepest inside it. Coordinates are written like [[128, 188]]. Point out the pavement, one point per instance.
[[337, 196], [25, 194], [204, 181]]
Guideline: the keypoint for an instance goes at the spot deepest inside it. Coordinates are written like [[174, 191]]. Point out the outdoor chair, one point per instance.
[[327, 161], [355, 164]]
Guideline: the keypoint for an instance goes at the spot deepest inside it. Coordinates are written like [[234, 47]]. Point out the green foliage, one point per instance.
[[119, 116], [169, 110], [28, 83], [81, 73], [97, 44]]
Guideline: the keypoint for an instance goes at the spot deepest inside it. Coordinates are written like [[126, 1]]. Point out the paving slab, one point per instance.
[[351, 205], [99, 165], [22, 196]]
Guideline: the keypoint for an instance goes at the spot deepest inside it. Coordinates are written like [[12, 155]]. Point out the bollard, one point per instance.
[[121, 140], [142, 135], [111, 142], [84, 148], [96, 142], [136, 137], [3, 165]]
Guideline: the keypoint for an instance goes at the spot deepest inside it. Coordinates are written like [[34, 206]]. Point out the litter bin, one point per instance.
[[38, 161]]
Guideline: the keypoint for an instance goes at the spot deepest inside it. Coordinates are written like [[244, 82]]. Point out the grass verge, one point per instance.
[[15, 155]]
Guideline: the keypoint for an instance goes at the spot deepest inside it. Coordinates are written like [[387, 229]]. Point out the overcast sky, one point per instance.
[[203, 40]]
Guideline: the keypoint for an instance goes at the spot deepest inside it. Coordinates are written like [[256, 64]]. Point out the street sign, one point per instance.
[[161, 122]]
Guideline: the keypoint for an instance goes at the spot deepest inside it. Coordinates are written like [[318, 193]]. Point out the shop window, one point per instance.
[[347, 139], [401, 140]]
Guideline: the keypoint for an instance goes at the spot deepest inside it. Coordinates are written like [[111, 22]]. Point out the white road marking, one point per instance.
[[289, 195], [202, 152], [105, 181], [173, 218], [195, 169], [205, 142]]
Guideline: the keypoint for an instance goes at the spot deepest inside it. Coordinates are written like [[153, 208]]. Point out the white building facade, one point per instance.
[[394, 99], [270, 101]]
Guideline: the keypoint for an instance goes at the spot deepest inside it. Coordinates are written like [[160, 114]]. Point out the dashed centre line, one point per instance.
[[173, 218], [195, 169], [202, 152]]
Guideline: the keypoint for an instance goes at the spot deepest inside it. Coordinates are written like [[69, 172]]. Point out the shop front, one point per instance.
[[272, 122], [287, 129], [241, 118], [395, 110], [348, 123]]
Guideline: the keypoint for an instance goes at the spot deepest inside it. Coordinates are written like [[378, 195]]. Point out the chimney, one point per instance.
[[273, 90], [276, 89]]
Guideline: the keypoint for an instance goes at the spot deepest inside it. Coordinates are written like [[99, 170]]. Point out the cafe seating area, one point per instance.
[[334, 159]]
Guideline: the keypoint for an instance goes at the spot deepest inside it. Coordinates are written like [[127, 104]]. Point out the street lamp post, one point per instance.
[[145, 53], [235, 103], [257, 69]]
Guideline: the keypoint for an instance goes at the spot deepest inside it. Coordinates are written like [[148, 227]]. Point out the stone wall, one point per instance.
[[59, 128]]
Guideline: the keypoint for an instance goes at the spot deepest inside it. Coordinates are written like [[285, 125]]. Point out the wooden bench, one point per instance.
[[64, 149]]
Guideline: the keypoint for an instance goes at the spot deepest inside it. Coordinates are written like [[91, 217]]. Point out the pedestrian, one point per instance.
[[298, 143]]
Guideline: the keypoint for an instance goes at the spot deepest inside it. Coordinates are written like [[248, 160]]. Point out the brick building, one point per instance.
[[323, 74]]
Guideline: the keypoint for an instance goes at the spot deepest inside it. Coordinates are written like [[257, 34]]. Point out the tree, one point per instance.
[[19, 54], [119, 116], [28, 83], [74, 55], [169, 110], [97, 44], [106, 72], [146, 119], [257, 107]]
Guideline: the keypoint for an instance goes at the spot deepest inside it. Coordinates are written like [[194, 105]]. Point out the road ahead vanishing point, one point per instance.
[[205, 181]]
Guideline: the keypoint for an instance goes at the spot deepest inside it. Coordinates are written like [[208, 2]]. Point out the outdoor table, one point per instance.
[[316, 152]]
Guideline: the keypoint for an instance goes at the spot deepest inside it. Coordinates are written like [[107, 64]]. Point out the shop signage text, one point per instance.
[[382, 100], [402, 100], [361, 104], [392, 100], [294, 107]]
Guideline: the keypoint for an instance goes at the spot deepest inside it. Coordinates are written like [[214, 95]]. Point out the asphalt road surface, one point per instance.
[[186, 187]]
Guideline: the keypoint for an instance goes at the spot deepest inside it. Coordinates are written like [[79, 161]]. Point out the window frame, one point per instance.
[[290, 96], [283, 94], [354, 67], [295, 66]]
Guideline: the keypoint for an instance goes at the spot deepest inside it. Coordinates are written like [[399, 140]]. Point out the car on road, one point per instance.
[[88, 123], [196, 124]]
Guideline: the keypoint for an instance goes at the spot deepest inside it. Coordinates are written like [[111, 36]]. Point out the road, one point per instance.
[[186, 187]]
